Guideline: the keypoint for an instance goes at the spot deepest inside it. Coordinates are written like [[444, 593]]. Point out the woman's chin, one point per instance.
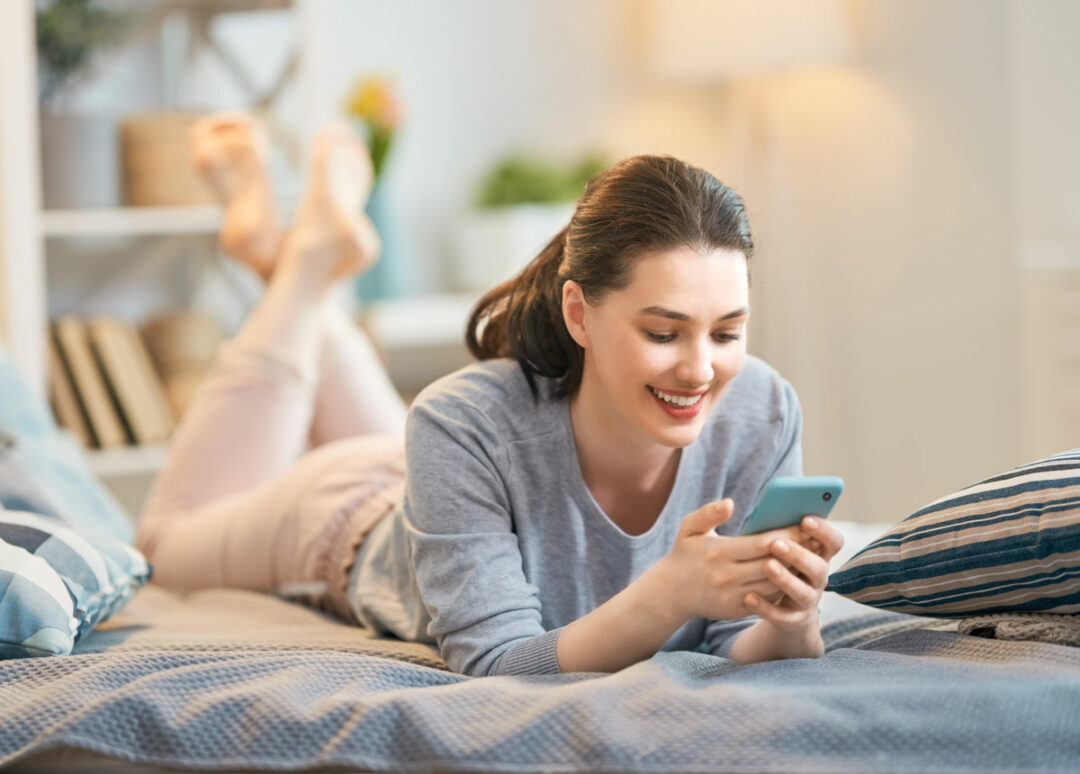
[[684, 438], [678, 437]]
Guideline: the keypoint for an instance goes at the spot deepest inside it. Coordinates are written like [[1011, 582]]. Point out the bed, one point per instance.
[[226, 679]]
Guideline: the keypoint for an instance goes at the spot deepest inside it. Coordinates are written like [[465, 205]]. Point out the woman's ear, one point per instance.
[[573, 311]]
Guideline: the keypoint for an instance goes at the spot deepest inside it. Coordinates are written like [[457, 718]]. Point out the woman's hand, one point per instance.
[[800, 569], [710, 575]]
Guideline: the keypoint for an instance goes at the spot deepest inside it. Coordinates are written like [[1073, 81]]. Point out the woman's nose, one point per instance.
[[695, 365]]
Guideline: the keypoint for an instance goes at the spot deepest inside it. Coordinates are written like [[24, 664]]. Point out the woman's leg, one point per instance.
[[295, 534], [229, 506], [354, 394]]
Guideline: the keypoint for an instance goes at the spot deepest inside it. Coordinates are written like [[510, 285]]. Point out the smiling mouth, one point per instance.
[[678, 400]]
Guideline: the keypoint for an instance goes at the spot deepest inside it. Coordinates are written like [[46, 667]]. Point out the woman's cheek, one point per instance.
[[732, 362]]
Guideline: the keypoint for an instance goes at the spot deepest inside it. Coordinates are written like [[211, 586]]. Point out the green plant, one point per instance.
[[68, 33], [522, 179]]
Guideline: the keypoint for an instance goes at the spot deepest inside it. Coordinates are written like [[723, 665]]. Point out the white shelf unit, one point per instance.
[[417, 336], [128, 460], [131, 221], [35, 243], [27, 231]]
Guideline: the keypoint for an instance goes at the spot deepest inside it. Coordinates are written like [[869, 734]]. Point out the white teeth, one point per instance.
[[675, 400]]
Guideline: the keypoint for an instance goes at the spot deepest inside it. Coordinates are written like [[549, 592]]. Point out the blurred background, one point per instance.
[[910, 167]]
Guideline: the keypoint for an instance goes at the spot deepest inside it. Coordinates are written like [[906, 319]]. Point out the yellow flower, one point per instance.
[[372, 100]]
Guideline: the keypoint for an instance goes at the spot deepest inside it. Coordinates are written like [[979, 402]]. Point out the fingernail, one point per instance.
[[781, 546], [812, 524], [751, 601]]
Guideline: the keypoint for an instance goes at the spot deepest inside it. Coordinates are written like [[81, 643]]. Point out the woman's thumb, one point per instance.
[[708, 516]]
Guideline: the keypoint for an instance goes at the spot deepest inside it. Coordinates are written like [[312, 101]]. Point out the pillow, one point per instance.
[[43, 468], [56, 584], [1008, 544], [37, 613]]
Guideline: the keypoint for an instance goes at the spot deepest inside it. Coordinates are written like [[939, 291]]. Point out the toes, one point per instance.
[[227, 147]]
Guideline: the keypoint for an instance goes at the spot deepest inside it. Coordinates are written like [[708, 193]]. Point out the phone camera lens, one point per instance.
[[827, 496]]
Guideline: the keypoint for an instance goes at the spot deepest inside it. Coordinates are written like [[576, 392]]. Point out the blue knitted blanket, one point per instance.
[[892, 694]]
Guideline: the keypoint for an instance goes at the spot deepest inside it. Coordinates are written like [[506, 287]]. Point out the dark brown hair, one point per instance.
[[640, 205]]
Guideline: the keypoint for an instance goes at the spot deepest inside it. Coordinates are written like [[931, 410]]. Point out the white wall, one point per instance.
[[1045, 122], [479, 79], [887, 243], [884, 197], [892, 200]]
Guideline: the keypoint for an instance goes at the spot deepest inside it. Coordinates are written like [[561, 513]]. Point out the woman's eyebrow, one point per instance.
[[659, 311]]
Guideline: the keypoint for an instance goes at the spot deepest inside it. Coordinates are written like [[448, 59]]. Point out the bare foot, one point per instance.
[[330, 234], [230, 150]]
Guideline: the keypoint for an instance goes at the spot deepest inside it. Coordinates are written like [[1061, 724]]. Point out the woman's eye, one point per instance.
[[660, 338], [664, 338]]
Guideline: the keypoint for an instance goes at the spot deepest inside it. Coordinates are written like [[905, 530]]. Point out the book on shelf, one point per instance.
[[111, 386], [63, 397], [134, 387], [102, 418], [152, 386]]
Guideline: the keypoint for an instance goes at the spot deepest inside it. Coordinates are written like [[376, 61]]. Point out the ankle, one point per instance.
[[306, 264]]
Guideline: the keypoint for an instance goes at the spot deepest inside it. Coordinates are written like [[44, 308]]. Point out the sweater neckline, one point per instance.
[[597, 513]]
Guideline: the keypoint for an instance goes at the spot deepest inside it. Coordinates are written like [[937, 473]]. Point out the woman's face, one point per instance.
[[660, 353]]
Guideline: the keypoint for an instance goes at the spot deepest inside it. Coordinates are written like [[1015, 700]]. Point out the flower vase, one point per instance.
[[387, 278]]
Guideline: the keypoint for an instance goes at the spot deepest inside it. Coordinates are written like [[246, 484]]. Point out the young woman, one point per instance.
[[565, 504]]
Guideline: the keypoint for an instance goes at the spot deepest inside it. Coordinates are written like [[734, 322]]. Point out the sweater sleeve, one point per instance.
[[787, 461], [485, 614]]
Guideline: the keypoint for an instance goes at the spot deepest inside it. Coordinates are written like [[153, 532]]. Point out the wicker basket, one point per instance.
[[182, 341], [156, 163]]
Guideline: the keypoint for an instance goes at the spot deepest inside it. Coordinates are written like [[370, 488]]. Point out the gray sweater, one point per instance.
[[499, 543]]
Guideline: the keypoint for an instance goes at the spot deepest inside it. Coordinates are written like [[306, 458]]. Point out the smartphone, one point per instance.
[[787, 499]]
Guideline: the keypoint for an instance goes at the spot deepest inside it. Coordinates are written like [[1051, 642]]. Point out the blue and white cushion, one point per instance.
[[37, 611], [1008, 544], [43, 468], [96, 573]]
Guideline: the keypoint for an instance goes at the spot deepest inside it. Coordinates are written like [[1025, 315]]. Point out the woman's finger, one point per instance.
[[765, 588], [802, 594], [814, 545], [753, 571], [830, 538], [813, 568], [780, 616], [749, 572]]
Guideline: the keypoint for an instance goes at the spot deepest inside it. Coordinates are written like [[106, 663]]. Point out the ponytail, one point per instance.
[[522, 319]]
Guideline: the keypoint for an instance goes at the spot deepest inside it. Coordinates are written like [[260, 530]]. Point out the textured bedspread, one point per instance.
[[890, 695]]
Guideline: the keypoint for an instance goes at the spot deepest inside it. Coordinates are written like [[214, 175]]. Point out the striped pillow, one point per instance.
[[56, 584], [37, 613], [1008, 544]]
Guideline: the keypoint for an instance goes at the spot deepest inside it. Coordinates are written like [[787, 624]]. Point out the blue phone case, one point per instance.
[[787, 499]]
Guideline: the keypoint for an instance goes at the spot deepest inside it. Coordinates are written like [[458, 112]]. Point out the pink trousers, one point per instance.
[[276, 474]]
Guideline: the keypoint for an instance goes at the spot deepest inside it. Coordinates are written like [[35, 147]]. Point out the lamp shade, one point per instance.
[[716, 40]]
